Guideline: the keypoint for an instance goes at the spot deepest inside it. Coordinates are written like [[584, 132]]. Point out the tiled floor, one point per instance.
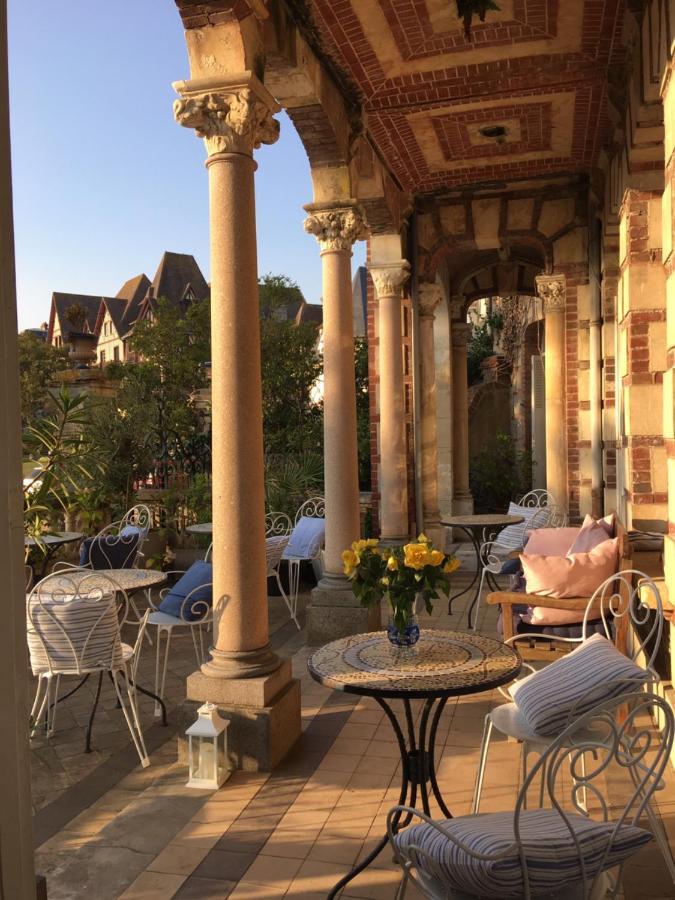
[[289, 834]]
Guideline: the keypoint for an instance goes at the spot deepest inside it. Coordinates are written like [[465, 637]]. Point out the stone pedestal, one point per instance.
[[335, 612]]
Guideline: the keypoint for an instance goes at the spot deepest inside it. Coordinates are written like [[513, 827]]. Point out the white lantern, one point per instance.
[[207, 749]]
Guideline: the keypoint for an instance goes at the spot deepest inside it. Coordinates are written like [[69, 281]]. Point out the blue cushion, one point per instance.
[[306, 538], [511, 566], [198, 578], [110, 551]]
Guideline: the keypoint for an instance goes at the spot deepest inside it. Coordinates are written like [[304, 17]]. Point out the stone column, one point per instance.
[[335, 611], [243, 672], [388, 279], [551, 288], [668, 248], [462, 501], [429, 296]]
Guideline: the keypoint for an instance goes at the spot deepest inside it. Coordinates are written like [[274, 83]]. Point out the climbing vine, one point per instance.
[[514, 313]]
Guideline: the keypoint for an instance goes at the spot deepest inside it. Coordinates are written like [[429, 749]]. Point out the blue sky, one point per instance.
[[104, 180]]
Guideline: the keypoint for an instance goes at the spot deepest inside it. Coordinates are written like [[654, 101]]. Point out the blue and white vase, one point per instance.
[[406, 638]]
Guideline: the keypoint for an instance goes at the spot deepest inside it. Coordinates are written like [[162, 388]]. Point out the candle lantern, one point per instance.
[[207, 749]]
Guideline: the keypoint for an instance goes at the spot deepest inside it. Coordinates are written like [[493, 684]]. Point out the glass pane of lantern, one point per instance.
[[207, 759]]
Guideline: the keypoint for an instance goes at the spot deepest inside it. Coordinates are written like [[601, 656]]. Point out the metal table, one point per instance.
[[201, 528], [479, 529], [441, 665], [52, 542]]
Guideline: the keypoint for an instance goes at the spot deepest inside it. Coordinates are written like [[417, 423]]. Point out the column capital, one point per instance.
[[389, 277], [336, 226], [461, 334], [430, 295], [232, 117], [551, 289]]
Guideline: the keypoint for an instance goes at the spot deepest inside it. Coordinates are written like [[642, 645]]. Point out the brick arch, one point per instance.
[[512, 241]]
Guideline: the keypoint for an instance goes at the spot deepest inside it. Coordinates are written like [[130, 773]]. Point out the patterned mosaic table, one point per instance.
[[441, 665], [479, 528], [128, 580]]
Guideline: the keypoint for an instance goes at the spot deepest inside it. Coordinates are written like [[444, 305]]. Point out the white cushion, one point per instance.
[[512, 536], [306, 538], [550, 851], [590, 675]]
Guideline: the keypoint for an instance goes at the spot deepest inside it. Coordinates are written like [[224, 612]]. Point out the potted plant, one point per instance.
[[402, 575], [82, 343]]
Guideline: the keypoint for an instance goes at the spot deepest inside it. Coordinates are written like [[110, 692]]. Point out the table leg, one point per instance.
[[417, 769], [476, 547], [87, 740]]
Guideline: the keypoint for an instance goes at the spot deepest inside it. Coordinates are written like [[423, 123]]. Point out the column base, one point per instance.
[[264, 714], [241, 664], [335, 612]]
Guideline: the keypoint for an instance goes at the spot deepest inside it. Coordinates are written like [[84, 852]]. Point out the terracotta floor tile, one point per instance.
[[204, 889], [223, 864], [202, 834], [277, 871], [178, 859], [152, 886], [315, 876], [247, 890], [336, 848]]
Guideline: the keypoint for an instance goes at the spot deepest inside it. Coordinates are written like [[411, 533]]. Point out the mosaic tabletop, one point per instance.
[[61, 537], [201, 528], [441, 663], [125, 579], [487, 520]]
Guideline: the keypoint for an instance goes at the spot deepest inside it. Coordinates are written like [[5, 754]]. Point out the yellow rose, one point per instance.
[[350, 561], [435, 558], [422, 538], [364, 544], [415, 555], [392, 564], [451, 565]]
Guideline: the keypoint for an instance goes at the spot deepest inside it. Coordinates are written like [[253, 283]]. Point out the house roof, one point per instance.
[[133, 292], [61, 302], [174, 273], [117, 307], [309, 312]]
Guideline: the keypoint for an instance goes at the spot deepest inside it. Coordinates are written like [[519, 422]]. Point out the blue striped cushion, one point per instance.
[[596, 670], [513, 536], [549, 848]]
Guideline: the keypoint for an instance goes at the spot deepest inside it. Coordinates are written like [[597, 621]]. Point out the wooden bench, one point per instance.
[[508, 599]]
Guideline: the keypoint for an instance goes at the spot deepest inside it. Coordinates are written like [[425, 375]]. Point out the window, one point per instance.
[[116, 353], [102, 357]]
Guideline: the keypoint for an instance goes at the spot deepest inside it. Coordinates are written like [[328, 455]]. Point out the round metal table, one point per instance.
[[441, 665], [52, 542], [479, 529], [201, 528]]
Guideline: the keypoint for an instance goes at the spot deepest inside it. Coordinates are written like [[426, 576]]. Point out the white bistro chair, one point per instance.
[[563, 849], [305, 543], [616, 603], [74, 629]]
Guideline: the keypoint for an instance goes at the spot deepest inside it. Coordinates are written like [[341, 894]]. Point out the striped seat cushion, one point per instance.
[[73, 634], [512, 537], [590, 675], [549, 848]]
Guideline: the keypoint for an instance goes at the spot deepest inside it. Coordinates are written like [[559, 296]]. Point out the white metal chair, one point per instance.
[[615, 604], [305, 542], [494, 554], [74, 628], [195, 615], [565, 848]]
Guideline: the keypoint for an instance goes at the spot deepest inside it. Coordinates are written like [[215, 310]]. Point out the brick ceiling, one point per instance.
[[537, 68]]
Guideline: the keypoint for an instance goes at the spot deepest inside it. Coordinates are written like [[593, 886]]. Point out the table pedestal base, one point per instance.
[[417, 746]]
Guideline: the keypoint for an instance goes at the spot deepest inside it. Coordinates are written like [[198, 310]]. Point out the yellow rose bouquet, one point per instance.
[[400, 574]]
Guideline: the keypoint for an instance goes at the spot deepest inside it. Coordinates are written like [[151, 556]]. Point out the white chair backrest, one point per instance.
[[74, 623], [582, 760], [538, 497], [274, 549], [277, 523], [115, 547], [629, 597], [314, 508], [138, 517]]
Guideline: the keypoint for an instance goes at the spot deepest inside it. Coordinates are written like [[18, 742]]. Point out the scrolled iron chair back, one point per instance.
[[274, 549], [74, 621], [138, 517], [537, 498], [619, 599], [314, 508], [106, 546], [277, 524], [619, 732]]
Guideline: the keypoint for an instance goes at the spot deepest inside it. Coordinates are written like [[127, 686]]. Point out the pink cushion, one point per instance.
[[551, 541], [609, 524], [574, 575], [539, 615], [590, 535]]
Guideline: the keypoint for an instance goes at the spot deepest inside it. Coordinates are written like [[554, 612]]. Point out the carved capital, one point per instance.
[[336, 226], [430, 295], [551, 289], [461, 334], [230, 120], [388, 278]]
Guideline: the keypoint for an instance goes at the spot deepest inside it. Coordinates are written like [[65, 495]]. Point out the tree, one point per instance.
[[38, 364], [362, 411]]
